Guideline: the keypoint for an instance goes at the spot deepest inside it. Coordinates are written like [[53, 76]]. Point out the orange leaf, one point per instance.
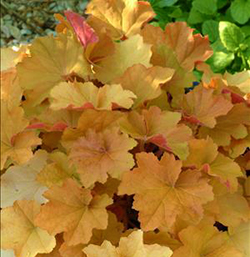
[[98, 154], [158, 127], [201, 107], [163, 192], [179, 49], [74, 211]]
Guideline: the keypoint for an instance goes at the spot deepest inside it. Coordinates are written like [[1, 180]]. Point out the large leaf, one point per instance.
[[163, 192]]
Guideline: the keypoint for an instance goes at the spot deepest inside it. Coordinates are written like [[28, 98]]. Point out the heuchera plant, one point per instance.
[[107, 150]]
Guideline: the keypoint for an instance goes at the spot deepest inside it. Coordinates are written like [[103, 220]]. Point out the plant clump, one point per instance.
[[110, 147]]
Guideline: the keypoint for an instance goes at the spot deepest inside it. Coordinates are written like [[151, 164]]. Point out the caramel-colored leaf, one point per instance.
[[74, 211], [231, 125], [98, 154], [158, 127], [163, 192], [21, 234], [201, 107]]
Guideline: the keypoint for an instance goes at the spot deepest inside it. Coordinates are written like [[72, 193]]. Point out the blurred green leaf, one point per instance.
[[211, 28], [231, 36], [196, 17], [220, 60], [240, 10], [205, 6]]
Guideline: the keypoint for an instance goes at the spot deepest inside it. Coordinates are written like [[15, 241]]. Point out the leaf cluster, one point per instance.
[[107, 150], [214, 18]]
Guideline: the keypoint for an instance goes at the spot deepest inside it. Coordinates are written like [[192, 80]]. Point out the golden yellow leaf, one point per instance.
[[205, 240], [11, 56], [118, 18], [10, 89], [86, 95], [21, 234], [213, 162], [131, 246], [57, 171], [228, 208], [53, 60], [127, 53], [55, 252], [16, 143], [144, 82], [161, 238], [239, 236]]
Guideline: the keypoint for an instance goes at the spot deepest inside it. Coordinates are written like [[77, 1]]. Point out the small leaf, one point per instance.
[[195, 16], [166, 3], [205, 6], [240, 11], [220, 61], [211, 28], [231, 35]]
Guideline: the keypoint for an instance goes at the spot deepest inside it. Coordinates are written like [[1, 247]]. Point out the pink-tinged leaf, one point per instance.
[[84, 32], [59, 126]]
